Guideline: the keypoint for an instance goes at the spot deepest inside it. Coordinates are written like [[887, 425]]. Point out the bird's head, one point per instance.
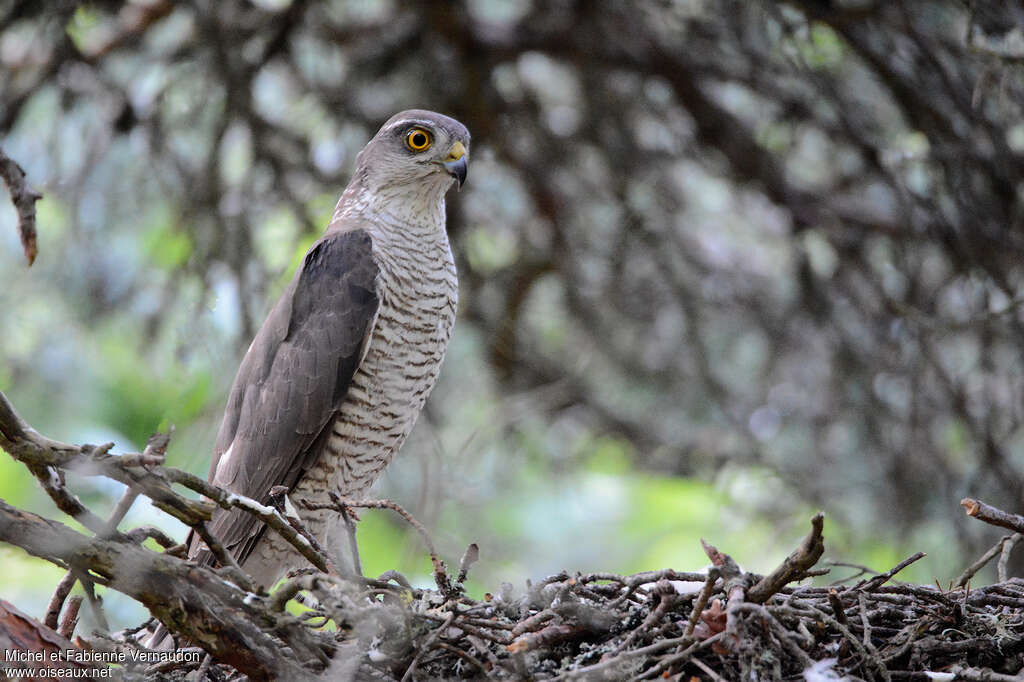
[[416, 148]]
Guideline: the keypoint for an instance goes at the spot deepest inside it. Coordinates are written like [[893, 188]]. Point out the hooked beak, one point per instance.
[[456, 163]]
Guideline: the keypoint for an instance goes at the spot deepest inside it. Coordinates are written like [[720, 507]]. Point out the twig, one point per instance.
[[837, 606], [411, 670], [702, 600], [156, 446], [879, 580], [865, 623], [464, 655], [667, 597], [57, 600], [143, 533], [992, 515], [267, 515], [123, 505], [963, 672], [715, 677], [532, 623], [973, 569], [69, 619], [279, 497], [173, 590], [340, 504], [674, 659], [794, 566], [1004, 556], [224, 557]]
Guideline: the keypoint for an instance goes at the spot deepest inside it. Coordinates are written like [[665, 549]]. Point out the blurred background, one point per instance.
[[722, 264]]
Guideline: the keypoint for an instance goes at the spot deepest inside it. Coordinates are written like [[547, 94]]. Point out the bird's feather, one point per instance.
[[292, 381]]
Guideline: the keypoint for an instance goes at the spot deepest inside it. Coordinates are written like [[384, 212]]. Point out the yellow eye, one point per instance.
[[418, 140]]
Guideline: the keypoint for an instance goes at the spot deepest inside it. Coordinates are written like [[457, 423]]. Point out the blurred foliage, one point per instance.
[[720, 263]]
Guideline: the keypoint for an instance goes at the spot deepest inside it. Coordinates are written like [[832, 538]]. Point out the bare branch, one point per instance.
[[989, 514], [228, 622], [794, 566]]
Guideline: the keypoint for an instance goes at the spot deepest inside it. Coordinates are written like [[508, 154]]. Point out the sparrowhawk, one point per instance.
[[337, 374]]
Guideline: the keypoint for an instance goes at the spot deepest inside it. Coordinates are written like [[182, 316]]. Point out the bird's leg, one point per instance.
[[349, 516], [279, 498]]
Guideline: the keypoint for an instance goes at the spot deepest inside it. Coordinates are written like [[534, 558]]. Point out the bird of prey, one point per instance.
[[337, 374]]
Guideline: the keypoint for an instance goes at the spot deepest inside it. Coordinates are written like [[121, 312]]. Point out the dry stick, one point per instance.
[[708, 671], [702, 601], [881, 579], [57, 600], [973, 569], [670, 660], [634, 581], [143, 533], [33, 449], [533, 622], [69, 619], [484, 634], [864, 622], [837, 606], [992, 515], [546, 636], [24, 200], [914, 631], [861, 570], [386, 504], [52, 481], [154, 452], [1004, 556], [165, 585], [869, 655], [794, 566], [279, 498], [338, 503], [980, 674], [227, 560], [423, 648], [392, 574], [482, 622], [267, 515], [465, 655], [668, 597], [123, 505]]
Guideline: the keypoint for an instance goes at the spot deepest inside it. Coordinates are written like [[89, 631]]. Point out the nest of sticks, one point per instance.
[[718, 624]]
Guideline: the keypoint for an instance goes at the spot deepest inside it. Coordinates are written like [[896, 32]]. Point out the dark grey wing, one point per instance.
[[292, 381]]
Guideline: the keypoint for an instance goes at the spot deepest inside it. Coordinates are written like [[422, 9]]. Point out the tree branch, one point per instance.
[[230, 624]]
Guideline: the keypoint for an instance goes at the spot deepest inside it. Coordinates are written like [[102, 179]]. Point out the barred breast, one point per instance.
[[418, 298], [418, 293]]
